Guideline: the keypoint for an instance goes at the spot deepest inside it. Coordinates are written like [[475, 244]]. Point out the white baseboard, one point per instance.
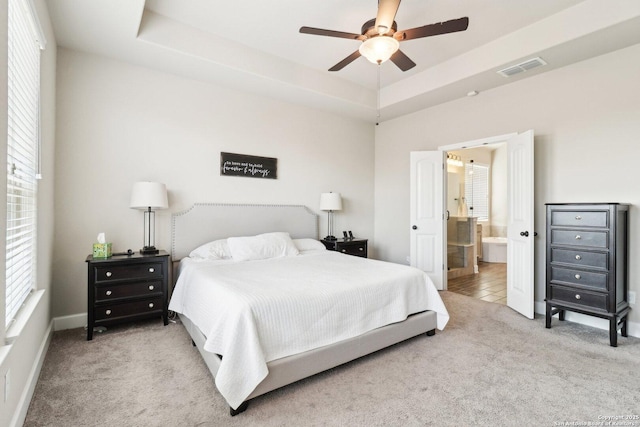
[[633, 328], [25, 400], [70, 322]]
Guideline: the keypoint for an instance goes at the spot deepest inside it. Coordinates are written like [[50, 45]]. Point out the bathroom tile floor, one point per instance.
[[490, 284]]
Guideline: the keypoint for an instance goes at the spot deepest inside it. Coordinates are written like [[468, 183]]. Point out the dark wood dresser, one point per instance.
[[126, 288], [357, 247], [587, 263]]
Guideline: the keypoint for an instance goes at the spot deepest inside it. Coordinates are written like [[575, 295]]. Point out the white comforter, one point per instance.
[[253, 312]]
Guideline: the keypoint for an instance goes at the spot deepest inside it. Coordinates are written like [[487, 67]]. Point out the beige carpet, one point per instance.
[[490, 366]]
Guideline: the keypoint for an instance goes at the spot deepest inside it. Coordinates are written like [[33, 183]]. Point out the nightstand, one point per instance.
[[126, 288], [357, 247]]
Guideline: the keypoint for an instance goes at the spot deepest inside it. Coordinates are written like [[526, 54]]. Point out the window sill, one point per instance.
[[24, 314]]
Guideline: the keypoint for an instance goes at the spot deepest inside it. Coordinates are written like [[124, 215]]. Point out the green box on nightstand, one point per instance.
[[102, 250]]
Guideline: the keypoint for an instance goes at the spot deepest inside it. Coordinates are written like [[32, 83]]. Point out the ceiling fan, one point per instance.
[[380, 38]]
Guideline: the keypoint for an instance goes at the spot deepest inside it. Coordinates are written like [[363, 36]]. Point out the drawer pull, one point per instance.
[[578, 237], [577, 296], [361, 249], [108, 293], [151, 270], [150, 305], [108, 312], [578, 257], [108, 274], [578, 217], [344, 250], [577, 276], [151, 287]]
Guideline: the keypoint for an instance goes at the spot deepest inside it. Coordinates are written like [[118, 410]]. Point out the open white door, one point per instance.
[[427, 215], [520, 233]]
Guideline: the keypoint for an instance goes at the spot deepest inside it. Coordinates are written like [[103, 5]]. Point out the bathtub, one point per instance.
[[494, 249]]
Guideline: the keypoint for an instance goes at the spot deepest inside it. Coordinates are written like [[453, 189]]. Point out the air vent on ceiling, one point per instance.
[[522, 67]]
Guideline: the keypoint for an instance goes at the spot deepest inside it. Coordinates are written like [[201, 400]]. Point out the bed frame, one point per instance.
[[206, 222]]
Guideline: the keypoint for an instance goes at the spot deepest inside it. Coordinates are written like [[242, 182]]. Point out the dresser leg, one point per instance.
[[548, 317], [613, 331], [623, 330]]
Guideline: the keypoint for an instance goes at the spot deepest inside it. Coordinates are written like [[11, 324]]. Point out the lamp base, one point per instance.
[[330, 238], [149, 250]]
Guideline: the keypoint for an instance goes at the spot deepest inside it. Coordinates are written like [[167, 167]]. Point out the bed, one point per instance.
[[237, 309]]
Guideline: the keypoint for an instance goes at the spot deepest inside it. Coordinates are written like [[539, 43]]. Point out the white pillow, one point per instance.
[[218, 249], [304, 245], [262, 246]]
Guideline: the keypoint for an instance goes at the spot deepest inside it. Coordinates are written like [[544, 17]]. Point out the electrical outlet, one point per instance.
[[632, 297]]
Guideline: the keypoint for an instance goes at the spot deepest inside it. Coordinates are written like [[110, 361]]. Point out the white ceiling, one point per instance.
[[255, 45]]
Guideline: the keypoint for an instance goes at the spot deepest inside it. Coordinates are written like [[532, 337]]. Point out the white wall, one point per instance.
[[119, 123], [23, 358], [586, 119]]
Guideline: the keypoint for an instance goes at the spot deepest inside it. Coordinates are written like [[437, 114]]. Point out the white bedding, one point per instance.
[[253, 312]]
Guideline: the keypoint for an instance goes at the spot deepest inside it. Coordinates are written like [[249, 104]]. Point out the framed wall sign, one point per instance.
[[232, 164]]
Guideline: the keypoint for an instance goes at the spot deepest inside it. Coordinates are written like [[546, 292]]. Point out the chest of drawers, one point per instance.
[[587, 260], [126, 288], [357, 247]]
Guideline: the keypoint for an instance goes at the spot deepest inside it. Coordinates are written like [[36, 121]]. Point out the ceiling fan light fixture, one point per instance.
[[379, 49]]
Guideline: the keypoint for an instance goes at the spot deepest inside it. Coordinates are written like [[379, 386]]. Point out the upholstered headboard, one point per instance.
[[205, 222]]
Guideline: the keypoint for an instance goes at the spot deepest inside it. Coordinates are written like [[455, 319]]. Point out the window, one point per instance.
[[23, 97], [476, 190]]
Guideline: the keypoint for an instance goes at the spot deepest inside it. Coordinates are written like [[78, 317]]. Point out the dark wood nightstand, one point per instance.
[[126, 288], [357, 247]]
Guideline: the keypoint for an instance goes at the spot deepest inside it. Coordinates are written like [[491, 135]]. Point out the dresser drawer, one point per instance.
[[595, 260], [109, 292], [579, 277], [592, 300], [128, 271], [134, 308], [358, 250], [594, 239], [580, 218]]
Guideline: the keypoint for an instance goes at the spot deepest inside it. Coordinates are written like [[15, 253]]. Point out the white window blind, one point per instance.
[[476, 189], [22, 154]]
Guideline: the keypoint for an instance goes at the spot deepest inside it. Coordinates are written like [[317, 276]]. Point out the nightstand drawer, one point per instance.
[[128, 271], [358, 250], [588, 299], [134, 308], [594, 260], [580, 218], [595, 239], [106, 292], [579, 277]]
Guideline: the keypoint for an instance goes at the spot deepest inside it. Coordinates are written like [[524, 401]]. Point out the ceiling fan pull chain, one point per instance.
[[378, 98]]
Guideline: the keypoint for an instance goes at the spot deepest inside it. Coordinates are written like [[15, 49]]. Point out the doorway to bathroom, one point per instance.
[[477, 222], [427, 206]]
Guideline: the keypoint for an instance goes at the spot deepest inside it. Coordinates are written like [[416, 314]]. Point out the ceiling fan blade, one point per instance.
[[346, 61], [387, 10], [402, 61], [330, 33], [452, 26]]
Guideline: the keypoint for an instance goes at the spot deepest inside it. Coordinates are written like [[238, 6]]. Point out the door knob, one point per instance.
[[415, 227], [524, 233]]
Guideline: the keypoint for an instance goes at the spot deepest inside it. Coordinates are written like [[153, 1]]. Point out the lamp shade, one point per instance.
[[378, 49], [149, 195], [330, 202]]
